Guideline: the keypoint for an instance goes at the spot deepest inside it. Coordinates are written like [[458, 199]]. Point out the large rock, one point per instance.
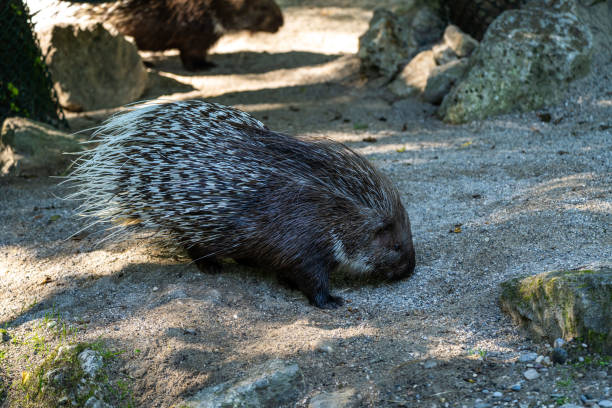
[[442, 78], [273, 384], [394, 37], [460, 43], [525, 61], [93, 66], [563, 304], [412, 80], [30, 148]]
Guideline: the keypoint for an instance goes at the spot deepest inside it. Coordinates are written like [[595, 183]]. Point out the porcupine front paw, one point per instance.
[[327, 301]]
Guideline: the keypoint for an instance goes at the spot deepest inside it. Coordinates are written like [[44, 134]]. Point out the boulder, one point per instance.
[[272, 384], [412, 80], [93, 66], [525, 61], [563, 304], [442, 78], [29, 148], [460, 43], [394, 37]]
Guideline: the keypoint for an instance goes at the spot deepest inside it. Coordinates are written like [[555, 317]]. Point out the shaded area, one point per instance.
[[238, 63]]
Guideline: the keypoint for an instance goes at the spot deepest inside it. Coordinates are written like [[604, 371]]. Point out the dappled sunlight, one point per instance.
[[578, 192]]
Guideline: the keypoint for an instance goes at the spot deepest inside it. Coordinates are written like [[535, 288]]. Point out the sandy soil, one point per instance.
[[529, 195]]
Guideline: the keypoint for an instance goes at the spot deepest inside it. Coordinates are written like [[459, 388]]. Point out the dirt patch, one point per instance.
[[491, 200]]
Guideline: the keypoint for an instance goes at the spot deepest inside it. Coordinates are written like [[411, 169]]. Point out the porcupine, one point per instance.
[[222, 185], [192, 26]]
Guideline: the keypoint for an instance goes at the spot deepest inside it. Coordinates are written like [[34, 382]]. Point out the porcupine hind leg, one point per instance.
[[195, 61], [313, 281], [206, 263]]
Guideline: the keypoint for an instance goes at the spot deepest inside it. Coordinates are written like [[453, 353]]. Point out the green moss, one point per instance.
[[563, 303]]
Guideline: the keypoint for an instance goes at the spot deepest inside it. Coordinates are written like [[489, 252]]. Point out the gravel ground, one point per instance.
[[514, 195]]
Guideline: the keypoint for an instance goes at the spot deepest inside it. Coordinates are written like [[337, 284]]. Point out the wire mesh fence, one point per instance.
[[26, 88]]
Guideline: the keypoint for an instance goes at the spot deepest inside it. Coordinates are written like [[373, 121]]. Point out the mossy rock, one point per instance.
[[566, 304], [525, 61], [29, 148]]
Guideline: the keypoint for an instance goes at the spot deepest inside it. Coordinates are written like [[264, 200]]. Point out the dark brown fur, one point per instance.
[[221, 184], [192, 26]]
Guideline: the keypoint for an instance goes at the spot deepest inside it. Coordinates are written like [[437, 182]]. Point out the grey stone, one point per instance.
[[30, 148], [605, 404], [516, 387], [497, 394], [527, 356], [91, 362], [525, 61], [324, 346], [460, 43], [443, 54], [430, 364], [413, 78], [275, 383], [531, 374], [564, 304], [340, 399], [442, 78], [93, 66], [393, 38], [569, 405]]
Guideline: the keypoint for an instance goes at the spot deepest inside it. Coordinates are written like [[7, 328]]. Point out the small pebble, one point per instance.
[[528, 356], [531, 374], [581, 359], [558, 343], [516, 387], [539, 359], [559, 356], [605, 404], [497, 394], [324, 346], [587, 399], [430, 364]]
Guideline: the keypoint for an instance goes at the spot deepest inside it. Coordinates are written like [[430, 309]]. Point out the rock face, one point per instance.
[[30, 148], [433, 72], [525, 61], [394, 37], [272, 384], [564, 304], [442, 78], [93, 66], [413, 78]]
